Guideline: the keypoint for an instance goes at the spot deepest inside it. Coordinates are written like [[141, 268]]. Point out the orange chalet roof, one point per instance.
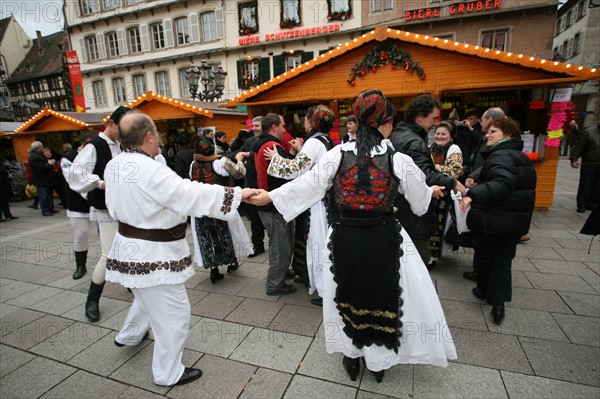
[[540, 71], [161, 107], [48, 120]]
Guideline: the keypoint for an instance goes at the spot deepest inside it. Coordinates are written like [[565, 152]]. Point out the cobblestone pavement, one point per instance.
[[252, 345]]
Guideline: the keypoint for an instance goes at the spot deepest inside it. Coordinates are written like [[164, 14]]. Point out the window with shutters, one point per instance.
[[574, 15], [568, 48], [134, 39], [382, 5], [184, 83], [584, 7], [209, 26], [139, 84], [248, 17], [250, 74], [339, 10], [110, 4], [99, 93], [112, 44], [290, 13], [89, 6], [495, 39], [563, 23], [163, 85], [118, 85], [91, 48], [158, 35], [292, 60], [182, 31], [577, 43]]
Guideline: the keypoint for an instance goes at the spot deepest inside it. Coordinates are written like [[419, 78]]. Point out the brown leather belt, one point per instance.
[[160, 235]]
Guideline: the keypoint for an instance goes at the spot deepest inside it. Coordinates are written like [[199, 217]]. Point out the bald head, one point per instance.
[[491, 115], [133, 127]]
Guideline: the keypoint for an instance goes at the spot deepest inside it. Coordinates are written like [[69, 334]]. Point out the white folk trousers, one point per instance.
[[107, 231], [166, 310]]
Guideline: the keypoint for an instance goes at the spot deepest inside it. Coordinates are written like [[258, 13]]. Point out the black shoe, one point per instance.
[[317, 301], [47, 214], [299, 280], [189, 375], [257, 252], [378, 375], [32, 206], [12, 218], [498, 312], [215, 275], [54, 211], [285, 289], [352, 367], [120, 345], [92, 306], [580, 210], [478, 293], [233, 267], [289, 273], [470, 275]]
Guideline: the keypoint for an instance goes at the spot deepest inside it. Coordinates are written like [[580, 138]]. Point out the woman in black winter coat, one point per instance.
[[502, 204]]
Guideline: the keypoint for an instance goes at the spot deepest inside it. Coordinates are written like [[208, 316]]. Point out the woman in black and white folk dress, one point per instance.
[[379, 302]]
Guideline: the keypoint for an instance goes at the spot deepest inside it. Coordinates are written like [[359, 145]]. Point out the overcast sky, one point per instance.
[[43, 15]]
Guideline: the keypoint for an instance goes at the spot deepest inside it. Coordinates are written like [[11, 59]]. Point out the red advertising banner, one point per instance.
[[76, 81]]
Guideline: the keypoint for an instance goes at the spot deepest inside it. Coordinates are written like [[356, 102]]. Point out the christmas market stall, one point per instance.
[[461, 75], [174, 117], [54, 129]]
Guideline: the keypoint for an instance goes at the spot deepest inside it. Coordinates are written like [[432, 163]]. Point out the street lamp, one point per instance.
[[213, 83]]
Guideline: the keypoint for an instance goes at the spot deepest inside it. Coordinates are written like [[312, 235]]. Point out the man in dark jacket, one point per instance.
[[588, 148], [410, 138], [468, 137], [184, 157], [42, 173]]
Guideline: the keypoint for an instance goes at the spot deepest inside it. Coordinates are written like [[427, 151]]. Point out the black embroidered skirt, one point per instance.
[[365, 265], [215, 242]]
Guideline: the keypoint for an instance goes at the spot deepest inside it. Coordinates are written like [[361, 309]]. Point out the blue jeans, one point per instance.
[[45, 197]]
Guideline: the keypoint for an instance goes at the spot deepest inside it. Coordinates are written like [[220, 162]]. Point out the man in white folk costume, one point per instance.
[[150, 254]]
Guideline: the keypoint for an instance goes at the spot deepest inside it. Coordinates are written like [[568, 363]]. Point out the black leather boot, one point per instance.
[[352, 367], [92, 310], [80, 259], [215, 275], [498, 312]]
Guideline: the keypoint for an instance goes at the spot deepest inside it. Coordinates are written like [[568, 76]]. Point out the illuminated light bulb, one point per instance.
[[364, 36], [285, 74], [520, 55], [397, 32], [445, 40], [580, 68], [568, 65], [498, 52], [593, 70], [417, 36], [355, 40], [426, 37], [543, 61], [456, 43], [346, 44], [330, 52], [435, 39], [407, 33], [532, 58], [555, 63], [508, 54], [487, 50], [466, 46], [476, 47], [389, 30]]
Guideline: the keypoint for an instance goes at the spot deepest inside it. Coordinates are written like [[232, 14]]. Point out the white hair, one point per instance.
[[35, 145]]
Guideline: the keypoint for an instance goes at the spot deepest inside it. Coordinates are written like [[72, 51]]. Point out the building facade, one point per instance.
[[14, 46], [41, 80], [127, 47], [577, 41]]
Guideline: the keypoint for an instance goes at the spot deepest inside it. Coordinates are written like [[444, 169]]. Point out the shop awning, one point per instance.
[[48, 120], [164, 108], [441, 65]]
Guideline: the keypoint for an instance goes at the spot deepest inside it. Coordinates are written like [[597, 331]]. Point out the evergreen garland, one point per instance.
[[382, 55]]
